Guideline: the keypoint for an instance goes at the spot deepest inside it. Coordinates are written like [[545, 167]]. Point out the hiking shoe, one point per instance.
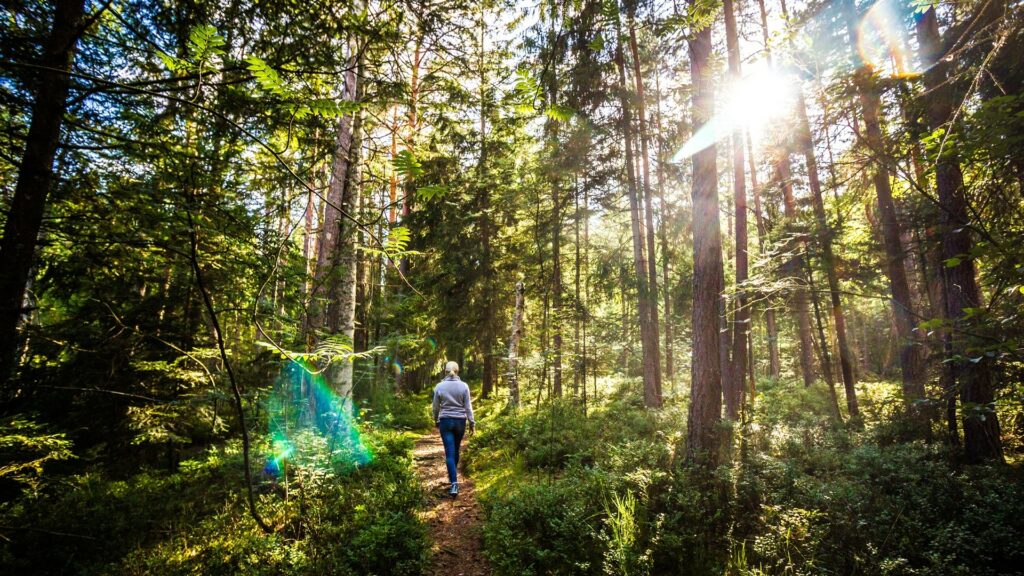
[[454, 490]]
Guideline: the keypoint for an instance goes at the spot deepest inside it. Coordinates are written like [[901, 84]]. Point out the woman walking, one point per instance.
[[452, 410]]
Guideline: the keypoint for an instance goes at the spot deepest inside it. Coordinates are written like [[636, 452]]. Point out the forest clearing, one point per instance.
[[736, 287]]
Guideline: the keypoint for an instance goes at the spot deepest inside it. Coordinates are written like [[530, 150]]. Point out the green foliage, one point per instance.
[[324, 108], [602, 493], [329, 349], [407, 165], [610, 11], [405, 412], [170, 62], [203, 46], [527, 91], [593, 515], [296, 101], [204, 43], [395, 246], [26, 447], [329, 520], [922, 6], [547, 527], [699, 15], [558, 113], [885, 510], [623, 557], [267, 78], [431, 192]]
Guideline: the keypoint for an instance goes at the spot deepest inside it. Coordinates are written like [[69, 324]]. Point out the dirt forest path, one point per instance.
[[454, 524]]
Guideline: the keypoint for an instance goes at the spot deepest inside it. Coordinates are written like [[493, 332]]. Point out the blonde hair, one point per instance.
[[451, 368]]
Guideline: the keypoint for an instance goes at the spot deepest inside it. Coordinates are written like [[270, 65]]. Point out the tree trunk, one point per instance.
[[361, 341], [577, 307], [512, 377], [344, 290], [769, 313], [733, 387], [21, 230], [774, 365], [393, 176], [910, 361], [324, 313], [410, 145], [585, 305], [981, 423], [487, 231], [825, 358], [650, 365], [645, 164], [706, 377], [666, 255], [556, 290], [793, 268], [824, 236]]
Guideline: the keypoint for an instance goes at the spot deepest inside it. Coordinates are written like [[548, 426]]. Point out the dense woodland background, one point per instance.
[[738, 285]]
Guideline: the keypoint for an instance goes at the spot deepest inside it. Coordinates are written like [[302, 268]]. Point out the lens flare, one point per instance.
[[311, 422], [397, 367], [883, 42], [751, 102], [432, 342]]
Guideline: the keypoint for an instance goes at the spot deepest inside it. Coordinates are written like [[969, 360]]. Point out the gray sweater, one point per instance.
[[451, 399]]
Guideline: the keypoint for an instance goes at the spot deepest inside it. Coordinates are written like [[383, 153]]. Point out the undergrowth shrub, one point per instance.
[[340, 521], [606, 493], [406, 412], [547, 527], [887, 510]]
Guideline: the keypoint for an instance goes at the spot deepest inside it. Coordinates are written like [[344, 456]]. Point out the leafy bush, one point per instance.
[[543, 528], [605, 493], [889, 509], [340, 521]]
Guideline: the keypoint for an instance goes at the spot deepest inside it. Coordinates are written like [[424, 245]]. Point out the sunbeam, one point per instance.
[[750, 103]]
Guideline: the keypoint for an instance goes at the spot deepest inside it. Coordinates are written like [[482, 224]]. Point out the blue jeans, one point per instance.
[[452, 430]]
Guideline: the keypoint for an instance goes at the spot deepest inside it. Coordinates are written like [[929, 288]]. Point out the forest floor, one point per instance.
[[455, 524]]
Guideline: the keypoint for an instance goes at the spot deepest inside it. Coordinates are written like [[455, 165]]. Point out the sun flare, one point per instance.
[[758, 99], [754, 102]]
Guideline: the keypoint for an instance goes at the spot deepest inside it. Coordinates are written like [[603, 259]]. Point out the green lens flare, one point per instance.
[[311, 423]]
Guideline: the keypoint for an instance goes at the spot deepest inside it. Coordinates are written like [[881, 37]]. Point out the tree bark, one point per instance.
[[769, 313], [487, 231], [911, 367], [774, 364], [825, 235], [577, 305], [733, 387], [666, 254], [410, 145], [981, 423], [647, 339], [556, 270], [793, 268], [393, 176], [21, 230], [556, 290], [645, 164], [512, 377], [706, 378], [344, 290], [324, 313], [825, 358]]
